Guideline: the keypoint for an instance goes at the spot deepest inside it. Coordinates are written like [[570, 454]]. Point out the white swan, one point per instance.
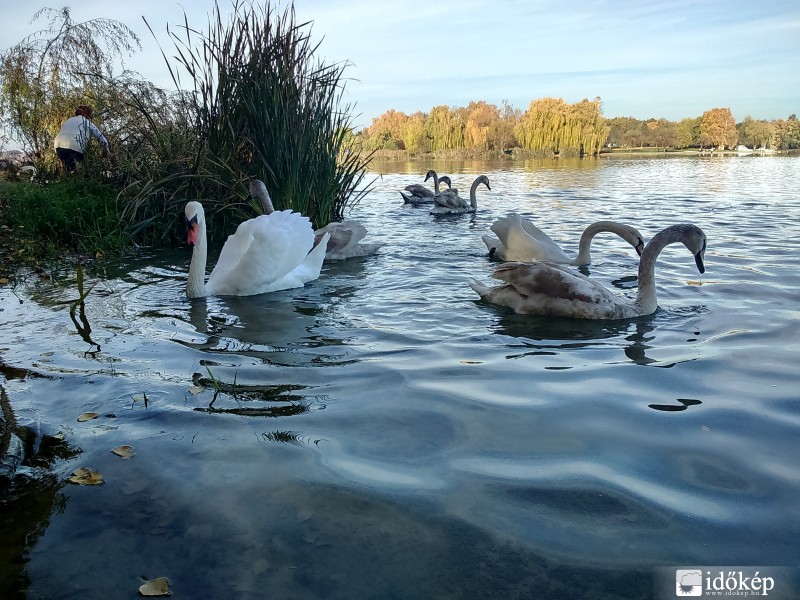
[[520, 240], [266, 254], [553, 290], [448, 202], [345, 240], [416, 193]]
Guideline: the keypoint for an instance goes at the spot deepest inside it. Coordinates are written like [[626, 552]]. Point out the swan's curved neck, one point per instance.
[[646, 294], [195, 284], [435, 182], [584, 255], [473, 196], [266, 201]]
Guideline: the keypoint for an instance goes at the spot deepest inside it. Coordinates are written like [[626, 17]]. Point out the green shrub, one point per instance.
[[73, 214]]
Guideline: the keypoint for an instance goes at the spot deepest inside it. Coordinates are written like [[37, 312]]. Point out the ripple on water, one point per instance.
[[327, 422]]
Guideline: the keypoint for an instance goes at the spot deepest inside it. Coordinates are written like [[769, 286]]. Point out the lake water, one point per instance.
[[382, 433]]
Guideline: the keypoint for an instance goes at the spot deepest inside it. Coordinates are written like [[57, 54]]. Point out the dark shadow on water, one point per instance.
[[684, 403], [253, 400], [29, 495], [548, 335]]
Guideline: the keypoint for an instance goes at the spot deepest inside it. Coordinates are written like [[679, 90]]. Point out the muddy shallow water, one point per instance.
[[383, 433]]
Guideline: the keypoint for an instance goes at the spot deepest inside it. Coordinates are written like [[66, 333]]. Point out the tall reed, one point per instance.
[[264, 107]]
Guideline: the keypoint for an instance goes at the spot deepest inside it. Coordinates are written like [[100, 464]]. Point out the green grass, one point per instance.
[[43, 221]]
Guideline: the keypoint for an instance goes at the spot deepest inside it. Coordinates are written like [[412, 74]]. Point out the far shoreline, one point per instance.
[[520, 154]]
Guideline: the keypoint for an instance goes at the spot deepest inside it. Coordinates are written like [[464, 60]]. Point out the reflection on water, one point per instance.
[[383, 415]]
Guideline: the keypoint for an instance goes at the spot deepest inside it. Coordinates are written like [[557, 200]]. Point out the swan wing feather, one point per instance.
[[261, 252], [521, 245], [551, 289]]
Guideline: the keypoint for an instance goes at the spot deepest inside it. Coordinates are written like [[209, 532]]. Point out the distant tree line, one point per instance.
[[551, 126], [715, 128]]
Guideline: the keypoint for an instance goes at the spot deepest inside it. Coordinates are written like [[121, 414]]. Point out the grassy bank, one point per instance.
[[44, 223]]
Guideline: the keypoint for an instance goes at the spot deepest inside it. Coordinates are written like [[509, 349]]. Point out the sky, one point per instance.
[[646, 59]]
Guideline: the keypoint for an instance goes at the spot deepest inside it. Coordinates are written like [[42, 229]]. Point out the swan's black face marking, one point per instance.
[[492, 251], [191, 231], [639, 246]]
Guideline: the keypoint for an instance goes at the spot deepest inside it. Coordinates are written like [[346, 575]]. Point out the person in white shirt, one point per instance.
[[73, 136]]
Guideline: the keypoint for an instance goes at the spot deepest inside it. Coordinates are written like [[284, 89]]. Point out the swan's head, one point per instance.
[[446, 179], [634, 238], [431, 175], [259, 190], [194, 216], [695, 240], [485, 181]]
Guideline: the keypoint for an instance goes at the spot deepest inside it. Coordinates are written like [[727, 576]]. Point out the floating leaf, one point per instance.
[[155, 587], [87, 416], [84, 476], [123, 451], [196, 389], [3, 280]]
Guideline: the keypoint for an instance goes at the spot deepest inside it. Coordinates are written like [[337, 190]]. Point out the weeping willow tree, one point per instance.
[[53, 70], [550, 125], [445, 128], [266, 108]]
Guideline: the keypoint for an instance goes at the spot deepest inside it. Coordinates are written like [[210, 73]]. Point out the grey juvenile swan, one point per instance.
[[520, 240], [345, 240], [448, 202], [416, 193], [552, 290]]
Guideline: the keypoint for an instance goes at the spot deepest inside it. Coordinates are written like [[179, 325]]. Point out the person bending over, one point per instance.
[[73, 136]]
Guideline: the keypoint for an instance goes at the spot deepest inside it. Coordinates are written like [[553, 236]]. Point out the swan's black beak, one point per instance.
[[698, 260], [639, 247], [191, 231]]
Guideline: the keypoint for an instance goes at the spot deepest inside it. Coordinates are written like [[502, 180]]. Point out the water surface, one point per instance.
[[383, 433]]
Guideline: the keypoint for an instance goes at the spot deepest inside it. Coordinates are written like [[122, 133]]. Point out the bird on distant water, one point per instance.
[[448, 202], [416, 193]]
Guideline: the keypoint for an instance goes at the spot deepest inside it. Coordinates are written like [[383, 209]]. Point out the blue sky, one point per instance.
[[656, 58]]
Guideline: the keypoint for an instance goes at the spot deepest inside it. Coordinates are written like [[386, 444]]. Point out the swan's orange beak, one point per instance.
[[191, 231]]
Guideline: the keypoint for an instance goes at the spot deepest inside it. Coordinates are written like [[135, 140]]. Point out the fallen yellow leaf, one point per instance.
[[123, 451], [87, 416], [84, 476], [155, 587], [3, 280]]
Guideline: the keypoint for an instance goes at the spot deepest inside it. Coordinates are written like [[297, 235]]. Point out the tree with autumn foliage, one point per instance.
[[755, 133], [718, 129], [786, 133], [551, 125]]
